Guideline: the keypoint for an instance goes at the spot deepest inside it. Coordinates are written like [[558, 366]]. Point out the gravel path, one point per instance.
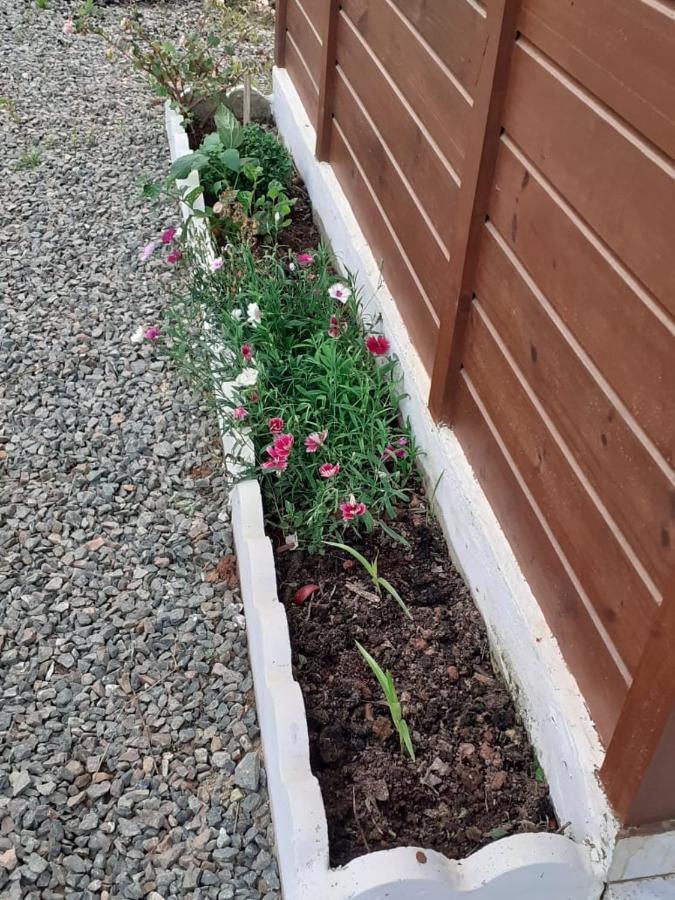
[[128, 740]]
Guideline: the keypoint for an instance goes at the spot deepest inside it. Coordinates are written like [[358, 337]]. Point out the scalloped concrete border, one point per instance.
[[522, 867]]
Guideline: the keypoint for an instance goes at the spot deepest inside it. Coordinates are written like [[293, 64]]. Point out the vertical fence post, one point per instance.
[[324, 116], [476, 179], [639, 767], [280, 33]]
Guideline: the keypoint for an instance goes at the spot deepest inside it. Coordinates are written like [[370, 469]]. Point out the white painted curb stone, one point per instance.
[[522, 867]]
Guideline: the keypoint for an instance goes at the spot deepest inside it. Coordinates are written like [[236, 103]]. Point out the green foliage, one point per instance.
[[386, 682], [313, 381], [270, 154], [376, 578], [42, 4], [29, 160], [8, 105]]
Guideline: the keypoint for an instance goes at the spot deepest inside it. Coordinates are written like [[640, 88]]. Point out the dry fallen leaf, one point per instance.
[[304, 592], [225, 570]]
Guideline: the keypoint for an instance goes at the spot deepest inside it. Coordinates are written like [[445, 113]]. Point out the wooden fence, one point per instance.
[[512, 165]]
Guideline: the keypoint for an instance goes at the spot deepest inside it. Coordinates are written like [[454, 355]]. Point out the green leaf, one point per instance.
[[231, 160], [230, 131], [212, 142], [497, 833], [394, 593], [539, 775], [377, 670], [406, 740], [192, 195], [370, 569], [394, 534], [191, 162]]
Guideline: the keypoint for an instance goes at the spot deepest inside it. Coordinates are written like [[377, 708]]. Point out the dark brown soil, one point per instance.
[[475, 778], [303, 233]]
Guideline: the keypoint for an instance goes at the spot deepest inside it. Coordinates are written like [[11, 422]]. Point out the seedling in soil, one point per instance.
[[371, 568], [387, 684]]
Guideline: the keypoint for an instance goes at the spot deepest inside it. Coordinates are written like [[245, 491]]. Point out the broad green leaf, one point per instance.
[[191, 162], [231, 159], [212, 142], [230, 131]]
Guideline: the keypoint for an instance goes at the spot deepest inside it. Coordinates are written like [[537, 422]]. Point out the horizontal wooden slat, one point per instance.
[[585, 653], [623, 51], [601, 309], [301, 79], [418, 317], [317, 13], [623, 605], [634, 489], [422, 164], [387, 182], [455, 30], [622, 190], [441, 108], [305, 38]]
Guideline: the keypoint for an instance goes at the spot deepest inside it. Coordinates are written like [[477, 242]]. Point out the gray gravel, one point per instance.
[[129, 749]]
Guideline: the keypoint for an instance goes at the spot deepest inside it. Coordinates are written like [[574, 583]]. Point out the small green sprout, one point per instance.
[[376, 578], [387, 684]]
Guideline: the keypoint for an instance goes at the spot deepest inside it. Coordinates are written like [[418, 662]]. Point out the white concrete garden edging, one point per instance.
[[521, 867]]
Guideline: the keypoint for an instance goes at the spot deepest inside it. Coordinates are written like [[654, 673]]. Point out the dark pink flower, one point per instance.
[[283, 443], [275, 425], [336, 329], [152, 333], [315, 440], [351, 509], [378, 345], [278, 464], [168, 235], [239, 413], [328, 470], [174, 256], [247, 352], [305, 259]]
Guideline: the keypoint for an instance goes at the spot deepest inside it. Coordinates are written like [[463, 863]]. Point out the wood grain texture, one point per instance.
[[441, 108], [622, 51], [401, 130], [398, 275], [280, 34], [592, 293], [324, 129], [615, 183], [585, 653], [305, 40], [300, 75], [637, 493], [624, 607]]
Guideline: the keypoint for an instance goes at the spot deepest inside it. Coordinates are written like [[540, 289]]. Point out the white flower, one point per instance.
[[237, 314], [291, 267], [254, 314], [339, 292], [138, 335], [247, 377]]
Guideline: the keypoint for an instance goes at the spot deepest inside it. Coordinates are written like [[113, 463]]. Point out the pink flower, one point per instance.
[[336, 328], [339, 292], [174, 256], [351, 509], [283, 443], [152, 333], [168, 235], [305, 259], [69, 27], [378, 345], [247, 352], [278, 464], [239, 413], [391, 451], [275, 425], [327, 470], [216, 263], [279, 453], [147, 251], [315, 440]]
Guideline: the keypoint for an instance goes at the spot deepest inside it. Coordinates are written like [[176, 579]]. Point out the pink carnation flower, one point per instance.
[[315, 440], [174, 256], [283, 443], [328, 470], [378, 345], [339, 292], [147, 251], [152, 333], [275, 425], [168, 235], [216, 264], [351, 509], [69, 27], [335, 329], [305, 259], [247, 352], [239, 413]]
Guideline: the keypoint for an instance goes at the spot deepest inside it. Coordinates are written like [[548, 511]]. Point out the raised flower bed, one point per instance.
[[473, 781]]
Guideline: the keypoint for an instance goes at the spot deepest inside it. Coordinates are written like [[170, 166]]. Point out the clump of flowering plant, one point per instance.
[[329, 444]]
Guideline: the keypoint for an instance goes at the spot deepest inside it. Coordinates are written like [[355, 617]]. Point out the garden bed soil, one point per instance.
[[475, 778]]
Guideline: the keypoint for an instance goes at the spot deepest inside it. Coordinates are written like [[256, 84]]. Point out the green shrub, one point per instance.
[[270, 154], [319, 406]]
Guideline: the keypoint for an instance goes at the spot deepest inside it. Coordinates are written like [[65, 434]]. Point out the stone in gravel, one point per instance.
[[37, 864], [8, 859], [19, 781], [164, 450], [76, 864], [247, 773], [89, 822], [95, 791], [128, 828]]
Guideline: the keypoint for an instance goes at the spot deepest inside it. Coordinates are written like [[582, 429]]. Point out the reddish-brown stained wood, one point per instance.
[[635, 490], [327, 82], [387, 183], [623, 51], [301, 78], [441, 108], [638, 770], [600, 308], [317, 13], [455, 30], [305, 39], [280, 34], [619, 596], [418, 317], [585, 653], [423, 165], [476, 178], [625, 195]]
